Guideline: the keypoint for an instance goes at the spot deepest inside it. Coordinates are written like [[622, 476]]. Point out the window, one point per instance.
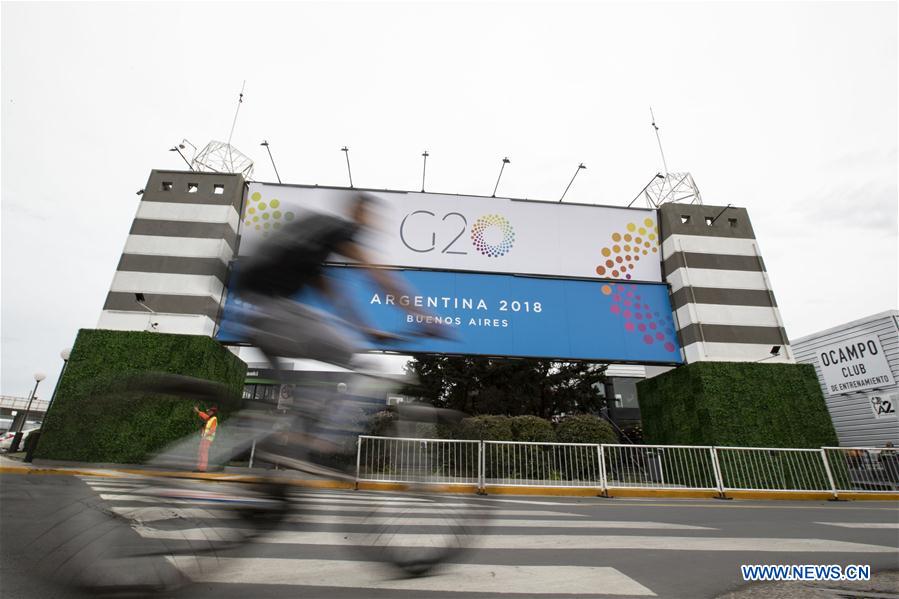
[[218, 189], [266, 393], [732, 222], [685, 219], [625, 393], [709, 221], [192, 187], [166, 186]]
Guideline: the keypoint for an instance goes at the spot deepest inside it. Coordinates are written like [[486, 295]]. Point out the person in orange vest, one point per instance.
[[208, 435]]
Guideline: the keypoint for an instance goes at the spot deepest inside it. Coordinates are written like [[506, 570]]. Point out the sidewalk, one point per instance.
[[15, 464]]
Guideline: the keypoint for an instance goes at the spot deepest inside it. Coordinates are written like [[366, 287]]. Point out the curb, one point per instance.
[[214, 476], [463, 489], [781, 495]]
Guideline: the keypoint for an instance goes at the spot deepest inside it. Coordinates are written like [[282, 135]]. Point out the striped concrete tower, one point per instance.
[[720, 291], [183, 237]]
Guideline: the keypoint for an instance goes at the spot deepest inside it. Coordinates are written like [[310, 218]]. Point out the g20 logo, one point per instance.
[[492, 235]]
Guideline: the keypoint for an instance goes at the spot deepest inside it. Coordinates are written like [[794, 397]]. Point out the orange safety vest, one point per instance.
[[209, 429]]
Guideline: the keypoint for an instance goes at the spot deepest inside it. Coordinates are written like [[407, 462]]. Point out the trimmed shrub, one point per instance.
[[585, 428], [736, 404], [486, 428], [532, 428], [95, 419]]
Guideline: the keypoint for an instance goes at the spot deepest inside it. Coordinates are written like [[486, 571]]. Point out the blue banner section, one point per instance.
[[505, 315]]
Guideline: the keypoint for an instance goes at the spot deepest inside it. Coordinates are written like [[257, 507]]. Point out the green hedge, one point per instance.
[[585, 428], [532, 429], [94, 419], [487, 428], [736, 404]]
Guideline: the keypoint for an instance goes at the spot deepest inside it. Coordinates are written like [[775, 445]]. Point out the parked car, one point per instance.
[[7, 437]]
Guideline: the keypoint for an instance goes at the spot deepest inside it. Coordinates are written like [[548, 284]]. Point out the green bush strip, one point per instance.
[[95, 419], [736, 404]]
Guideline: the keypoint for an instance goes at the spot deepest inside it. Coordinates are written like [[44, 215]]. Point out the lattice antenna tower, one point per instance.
[[670, 187], [222, 157]]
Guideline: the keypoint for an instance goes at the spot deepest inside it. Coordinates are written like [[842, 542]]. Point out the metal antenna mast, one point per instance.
[[424, 169], [579, 167], [658, 139], [236, 112], [222, 157], [671, 187]]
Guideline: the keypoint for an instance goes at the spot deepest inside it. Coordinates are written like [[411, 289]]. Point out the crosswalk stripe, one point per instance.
[[862, 524], [162, 513], [528, 501], [96, 484], [142, 511], [525, 541], [430, 510], [149, 498], [366, 496], [468, 578], [135, 497], [379, 501]]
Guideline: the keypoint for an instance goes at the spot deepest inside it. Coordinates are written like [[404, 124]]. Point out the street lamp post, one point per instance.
[[64, 354], [38, 377]]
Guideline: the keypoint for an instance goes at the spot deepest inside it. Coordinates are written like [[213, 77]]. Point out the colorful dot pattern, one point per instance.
[[626, 249], [492, 250], [265, 216], [653, 326]]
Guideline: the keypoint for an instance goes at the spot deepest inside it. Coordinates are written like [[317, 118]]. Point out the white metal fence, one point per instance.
[[764, 469], [542, 464], [404, 459], [659, 467], [863, 469], [605, 467]]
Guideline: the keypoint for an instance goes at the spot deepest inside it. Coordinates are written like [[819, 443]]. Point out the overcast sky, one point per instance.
[[789, 110]]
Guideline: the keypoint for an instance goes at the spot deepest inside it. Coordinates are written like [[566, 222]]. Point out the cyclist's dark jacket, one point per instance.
[[293, 257]]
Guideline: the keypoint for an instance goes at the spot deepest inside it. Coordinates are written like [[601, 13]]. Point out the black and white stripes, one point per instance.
[[182, 239], [720, 291]]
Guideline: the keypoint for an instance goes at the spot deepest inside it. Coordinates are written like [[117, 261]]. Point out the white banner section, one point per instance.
[[495, 235], [857, 364]]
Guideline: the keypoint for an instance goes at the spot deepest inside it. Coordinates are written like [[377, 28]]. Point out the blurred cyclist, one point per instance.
[[291, 261]]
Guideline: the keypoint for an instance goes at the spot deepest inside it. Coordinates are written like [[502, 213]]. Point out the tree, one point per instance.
[[514, 387]]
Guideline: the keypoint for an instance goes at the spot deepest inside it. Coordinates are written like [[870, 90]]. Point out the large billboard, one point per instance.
[[504, 315], [478, 234]]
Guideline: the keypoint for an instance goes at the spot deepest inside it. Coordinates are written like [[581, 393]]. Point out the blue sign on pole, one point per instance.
[[506, 315]]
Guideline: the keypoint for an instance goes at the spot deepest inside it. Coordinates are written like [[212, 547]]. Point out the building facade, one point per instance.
[[857, 364], [173, 273], [177, 255], [720, 292]]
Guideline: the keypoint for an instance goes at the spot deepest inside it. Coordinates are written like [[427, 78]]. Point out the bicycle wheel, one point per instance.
[[425, 524], [147, 533]]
